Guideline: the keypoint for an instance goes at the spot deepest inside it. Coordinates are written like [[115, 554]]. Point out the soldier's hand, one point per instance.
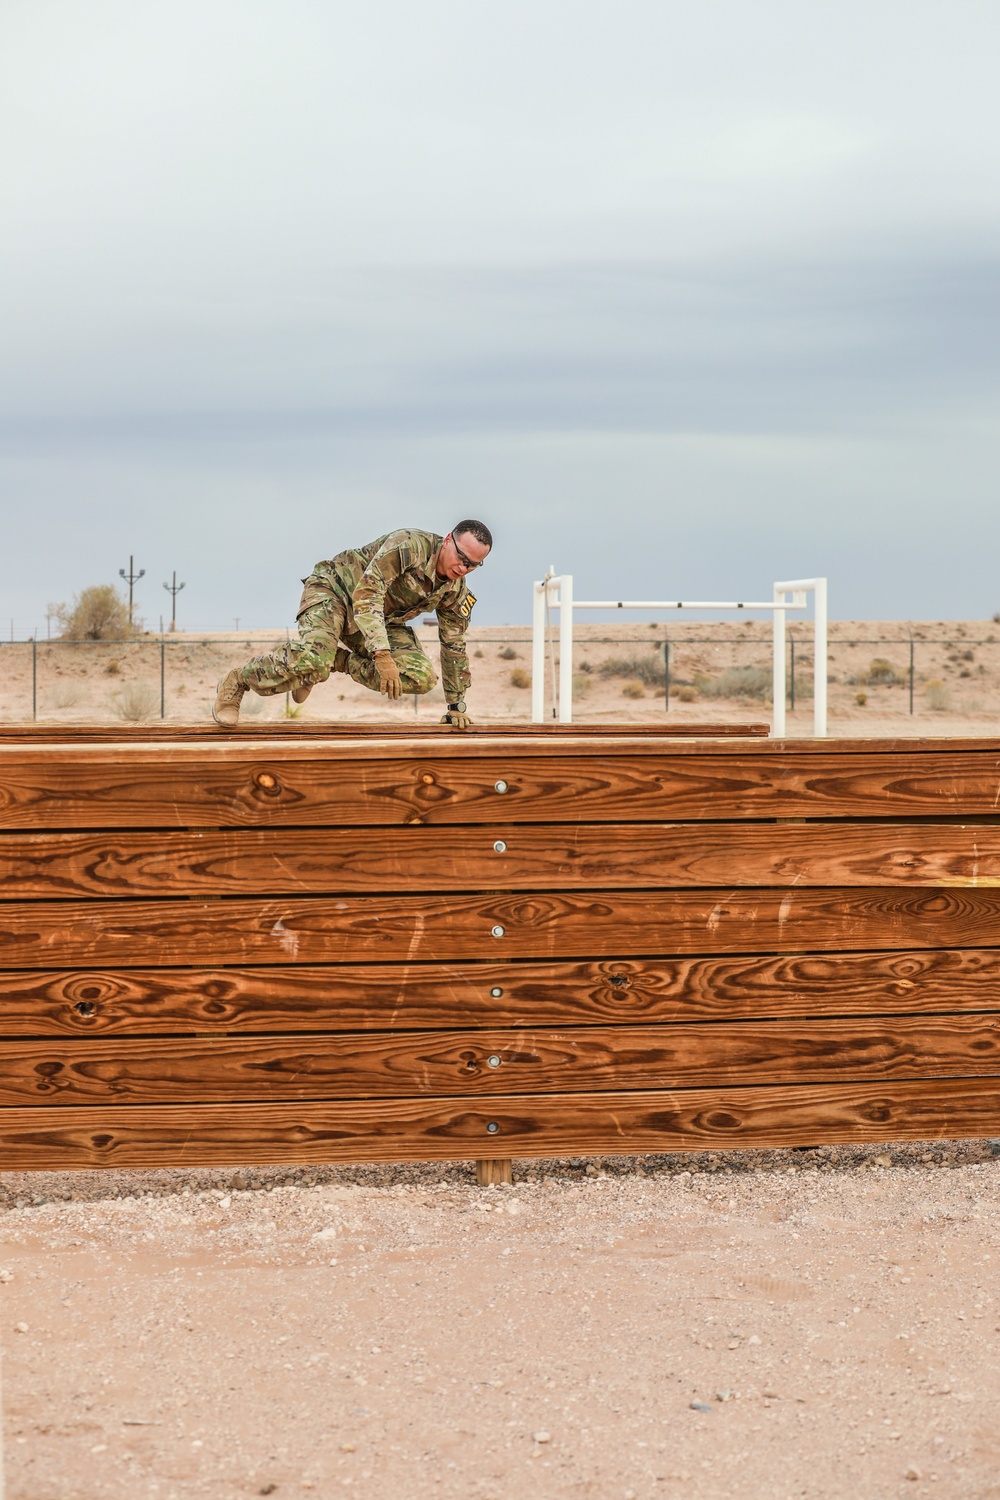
[[458, 718], [388, 674]]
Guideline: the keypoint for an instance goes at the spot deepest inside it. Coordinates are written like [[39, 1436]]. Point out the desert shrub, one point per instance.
[[586, 667], [136, 701], [113, 667], [96, 614], [644, 669], [581, 685], [740, 682], [686, 693], [880, 673], [509, 654], [519, 678], [937, 696], [633, 689], [67, 695], [861, 698], [478, 651]]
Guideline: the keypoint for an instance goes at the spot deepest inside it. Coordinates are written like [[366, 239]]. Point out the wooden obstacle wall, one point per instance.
[[284, 946]]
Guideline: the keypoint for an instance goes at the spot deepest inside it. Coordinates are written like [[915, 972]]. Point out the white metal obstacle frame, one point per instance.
[[555, 591]]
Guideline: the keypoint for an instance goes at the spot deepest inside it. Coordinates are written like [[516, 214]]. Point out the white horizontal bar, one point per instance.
[[798, 584], [674, 604]]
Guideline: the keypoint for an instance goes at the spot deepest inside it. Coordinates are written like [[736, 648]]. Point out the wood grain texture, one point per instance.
[[41, 1138], [591, 925], [221, 785], [303, 729], [374, 1065], [428, 996], [296, 861]]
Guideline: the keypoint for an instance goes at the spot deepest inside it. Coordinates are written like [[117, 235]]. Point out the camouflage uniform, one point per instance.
[[362, 599]]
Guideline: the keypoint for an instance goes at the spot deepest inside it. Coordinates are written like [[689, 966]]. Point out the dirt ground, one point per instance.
[[956, 677], [809, 1323]]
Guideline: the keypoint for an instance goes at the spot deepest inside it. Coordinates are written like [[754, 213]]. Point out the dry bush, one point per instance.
[[136, 701], [645, 669], [113, 667], [937, 696], [861, 698], [509, 654], [519, 678], [880, 673], [67, 695], [633, 689], [739, 682], [581, 685], [98, 613], [686, 693]]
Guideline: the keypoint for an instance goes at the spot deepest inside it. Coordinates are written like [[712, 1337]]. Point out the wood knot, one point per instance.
[[268, 783]]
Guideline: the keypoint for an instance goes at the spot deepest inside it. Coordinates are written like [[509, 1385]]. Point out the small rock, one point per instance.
[[754, 1339], [20, 1327], [883, 1161], [543, 1437], [592, 1170], [913, 1473], [700, 1406], [225, 1202], [6, 1275], [347, 1447], [326, 1234], [733, 1344], [724, 1395]]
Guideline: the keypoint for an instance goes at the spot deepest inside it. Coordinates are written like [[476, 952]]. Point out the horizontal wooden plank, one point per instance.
[[205, 1070], [41, 1138], [592, 925], [296, 861], [223, 785], [428, 996], [386, 731]]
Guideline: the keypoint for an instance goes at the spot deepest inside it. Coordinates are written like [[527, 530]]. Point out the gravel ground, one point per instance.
[[797, 1323]]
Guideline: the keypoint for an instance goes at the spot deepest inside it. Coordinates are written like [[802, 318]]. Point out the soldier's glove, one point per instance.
[[457, 716], [388, 675]]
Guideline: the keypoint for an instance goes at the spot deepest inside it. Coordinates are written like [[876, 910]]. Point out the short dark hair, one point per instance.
[[482, 533]]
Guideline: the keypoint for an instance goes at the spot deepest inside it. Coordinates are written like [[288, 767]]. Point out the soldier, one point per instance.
[[352, 618]]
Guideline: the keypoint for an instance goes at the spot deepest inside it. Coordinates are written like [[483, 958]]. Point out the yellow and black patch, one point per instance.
[[465, 608]]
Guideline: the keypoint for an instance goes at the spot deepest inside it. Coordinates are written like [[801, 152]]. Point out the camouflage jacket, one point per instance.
[[392, 580]]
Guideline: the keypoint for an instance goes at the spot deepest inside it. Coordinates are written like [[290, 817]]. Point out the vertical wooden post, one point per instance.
[[495, 1170]]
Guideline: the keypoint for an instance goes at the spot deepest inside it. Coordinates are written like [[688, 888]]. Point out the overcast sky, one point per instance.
[[679, 297]]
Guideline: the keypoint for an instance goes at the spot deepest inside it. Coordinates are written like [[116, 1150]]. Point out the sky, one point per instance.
[[680, 298]]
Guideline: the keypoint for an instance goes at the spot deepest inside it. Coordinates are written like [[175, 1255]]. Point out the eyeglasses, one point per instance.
[[465, 561]]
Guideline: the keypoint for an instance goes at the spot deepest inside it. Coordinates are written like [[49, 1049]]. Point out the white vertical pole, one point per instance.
[[819, 658], [566, 649], [778, 679], [538, 655]]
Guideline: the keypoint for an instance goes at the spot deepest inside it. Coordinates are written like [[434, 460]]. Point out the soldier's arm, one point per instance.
[[369, 593], [456, 677]]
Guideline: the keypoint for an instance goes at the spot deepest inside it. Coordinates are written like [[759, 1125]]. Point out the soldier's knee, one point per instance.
[[418, 676]]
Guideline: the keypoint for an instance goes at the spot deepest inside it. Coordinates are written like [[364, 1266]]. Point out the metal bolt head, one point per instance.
[[493, 1061], [496, 992], [497, 931], [500, 786], [500, 847], [492, 1127]]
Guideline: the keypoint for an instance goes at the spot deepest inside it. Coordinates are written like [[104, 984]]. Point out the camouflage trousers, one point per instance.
[[309, 659]]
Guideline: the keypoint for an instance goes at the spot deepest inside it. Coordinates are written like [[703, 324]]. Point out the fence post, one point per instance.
[[791, 640], [34, 677], [911, 674], [163, 678], [666, 675]]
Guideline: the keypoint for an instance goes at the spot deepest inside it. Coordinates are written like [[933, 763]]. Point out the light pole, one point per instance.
[[132, 578], [173, 589]]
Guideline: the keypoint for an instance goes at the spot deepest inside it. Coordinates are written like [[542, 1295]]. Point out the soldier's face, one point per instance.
[[460, 555]]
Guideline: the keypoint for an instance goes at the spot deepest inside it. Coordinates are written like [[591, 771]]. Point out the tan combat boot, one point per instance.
[[227, 705], [300, 694]]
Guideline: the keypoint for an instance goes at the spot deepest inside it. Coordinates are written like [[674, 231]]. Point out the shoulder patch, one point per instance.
[[465, 608]]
